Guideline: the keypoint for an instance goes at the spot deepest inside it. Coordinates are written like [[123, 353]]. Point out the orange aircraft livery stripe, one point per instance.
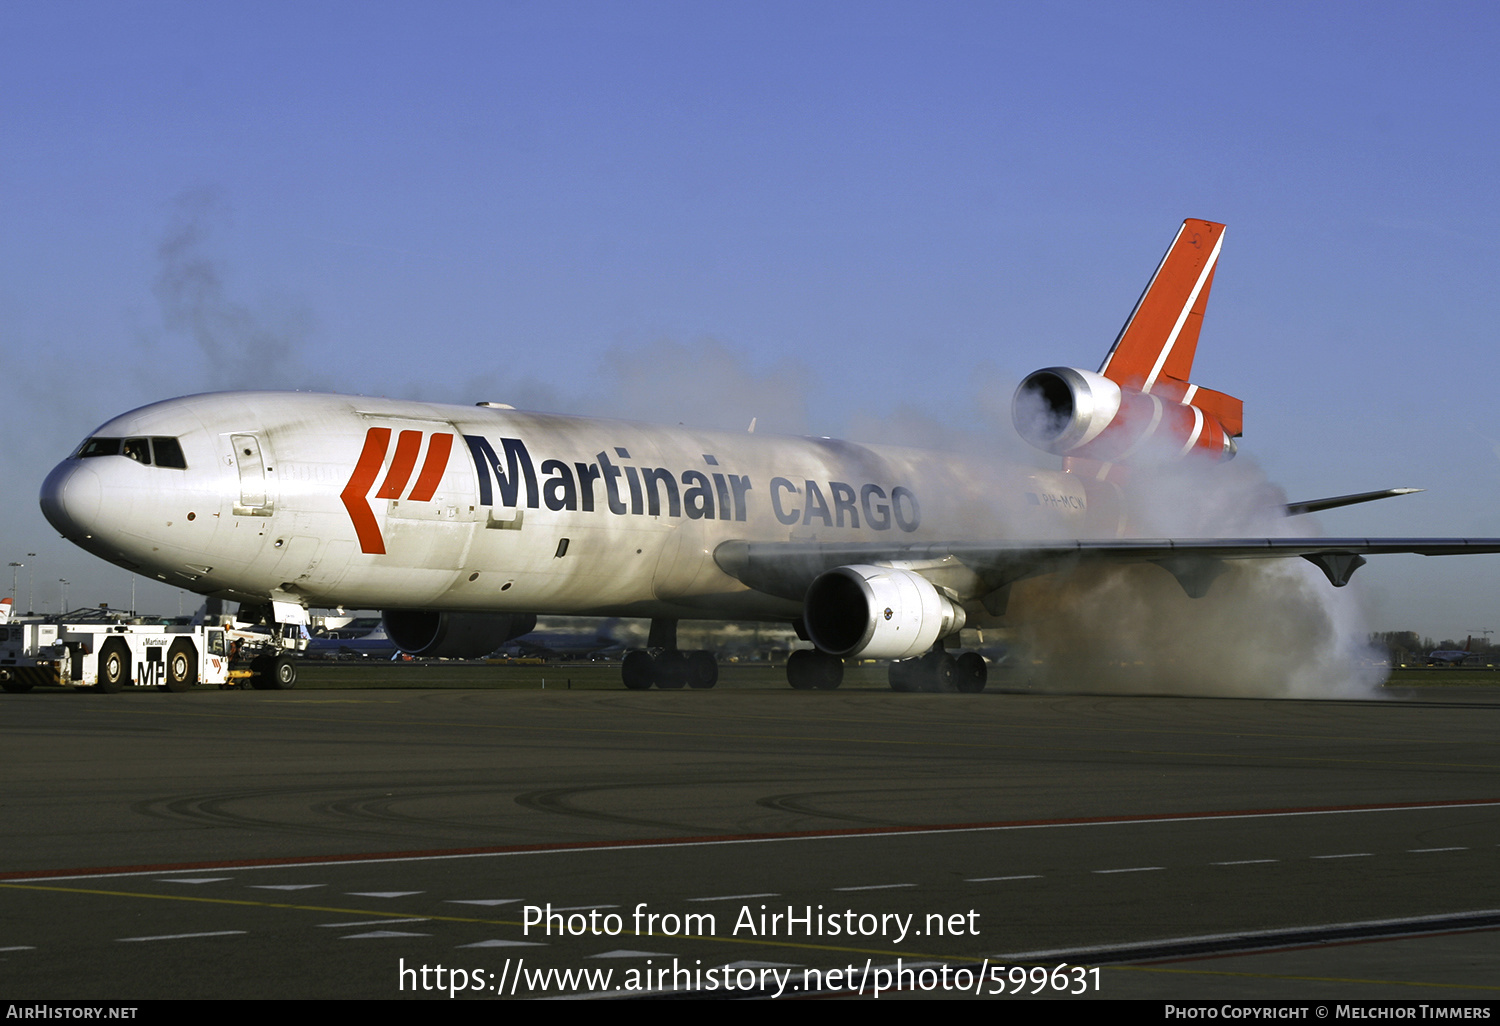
[[407, 446], [377, 441], [432, 470]]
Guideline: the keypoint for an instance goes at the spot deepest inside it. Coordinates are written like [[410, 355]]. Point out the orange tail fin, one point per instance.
[[1154, 351]]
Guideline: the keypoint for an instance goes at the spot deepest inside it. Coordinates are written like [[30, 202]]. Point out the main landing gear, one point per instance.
[[807, 669], [940, 671], [664, 664]]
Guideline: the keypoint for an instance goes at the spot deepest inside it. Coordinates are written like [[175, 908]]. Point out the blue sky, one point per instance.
[[870, 217]]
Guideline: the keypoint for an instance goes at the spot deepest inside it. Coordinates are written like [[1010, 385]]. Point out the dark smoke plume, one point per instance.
[[241, 347]]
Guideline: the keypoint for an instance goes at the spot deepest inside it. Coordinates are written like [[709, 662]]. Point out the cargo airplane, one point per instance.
[[464, 523]]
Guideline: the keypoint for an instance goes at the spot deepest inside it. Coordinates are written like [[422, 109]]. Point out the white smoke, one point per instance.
[[1267, 628]]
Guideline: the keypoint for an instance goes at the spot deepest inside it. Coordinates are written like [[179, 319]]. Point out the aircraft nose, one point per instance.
[[71, 498]]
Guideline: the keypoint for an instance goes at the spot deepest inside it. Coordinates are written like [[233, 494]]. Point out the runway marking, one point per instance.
[[382, 935], [1417, 851], [180, 936], [1244, 942], [199, 880], [285, 887], [1244, 862], [875, 887], [996, 879], [504, 944], [762, 942], [482, 901], [1149, 819], [581, 908], [20, 947], [373, 922], [381, 894], [628, 953], [737, 897], [1134, 869], [1350, 855]]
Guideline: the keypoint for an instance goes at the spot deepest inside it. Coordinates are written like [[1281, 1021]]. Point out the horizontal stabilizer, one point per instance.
[[1316, 505]]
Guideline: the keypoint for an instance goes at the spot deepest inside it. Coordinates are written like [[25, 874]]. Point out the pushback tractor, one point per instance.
[[109, 657]]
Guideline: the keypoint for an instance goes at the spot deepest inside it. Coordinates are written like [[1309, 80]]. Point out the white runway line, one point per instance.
[[737, 897]]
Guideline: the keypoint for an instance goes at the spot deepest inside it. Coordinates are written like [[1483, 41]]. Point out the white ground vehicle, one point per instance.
[[111, 656]]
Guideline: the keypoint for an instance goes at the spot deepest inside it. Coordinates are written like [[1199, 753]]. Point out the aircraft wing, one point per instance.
[[986, 569]]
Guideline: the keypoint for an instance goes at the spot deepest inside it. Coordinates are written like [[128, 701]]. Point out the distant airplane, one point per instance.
[[563, 643], [1450, 656], [464, 523], [372, 644]]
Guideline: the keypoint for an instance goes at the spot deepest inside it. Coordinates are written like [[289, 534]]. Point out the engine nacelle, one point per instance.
[[421, 632], [1073, 412], [877, 612]]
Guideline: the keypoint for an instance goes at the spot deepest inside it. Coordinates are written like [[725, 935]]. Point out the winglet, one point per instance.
[[1154, 350]]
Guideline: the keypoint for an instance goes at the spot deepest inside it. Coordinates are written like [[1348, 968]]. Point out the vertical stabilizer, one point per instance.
[[1154, 350]]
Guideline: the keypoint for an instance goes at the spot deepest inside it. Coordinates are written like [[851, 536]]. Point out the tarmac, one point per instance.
[[748, 841]]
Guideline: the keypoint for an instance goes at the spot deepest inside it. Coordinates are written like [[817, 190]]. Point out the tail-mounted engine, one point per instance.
[[1073, 412], [877, 612]]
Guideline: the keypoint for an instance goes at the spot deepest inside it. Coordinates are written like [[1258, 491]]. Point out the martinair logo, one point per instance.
[[608, 485], [356, 493]]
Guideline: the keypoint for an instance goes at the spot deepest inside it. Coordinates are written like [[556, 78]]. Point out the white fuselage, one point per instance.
[[376, 503]]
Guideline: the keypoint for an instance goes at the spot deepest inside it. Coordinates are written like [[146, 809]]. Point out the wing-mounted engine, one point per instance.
[[421, 632], [878, 612], [1073, 412]]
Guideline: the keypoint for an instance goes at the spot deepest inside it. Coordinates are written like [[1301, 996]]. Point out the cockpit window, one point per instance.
[[137, 449], [167, 450], [168, 453], [100, 447]]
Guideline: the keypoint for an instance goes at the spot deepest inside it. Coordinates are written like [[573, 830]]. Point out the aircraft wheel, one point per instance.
[[940, 672], [799, 673], [636, 670], [902, 675], [283, 675], [830, 673], [260, 675], [703, 670], [971, 673], [182, 665], [671, 670], [273, 673], [114, 666], [807, 669]]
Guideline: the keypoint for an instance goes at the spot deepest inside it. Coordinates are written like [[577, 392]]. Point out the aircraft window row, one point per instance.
[[167, 452]]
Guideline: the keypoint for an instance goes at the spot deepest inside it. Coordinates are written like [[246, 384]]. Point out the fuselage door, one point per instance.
[[255, 498]]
